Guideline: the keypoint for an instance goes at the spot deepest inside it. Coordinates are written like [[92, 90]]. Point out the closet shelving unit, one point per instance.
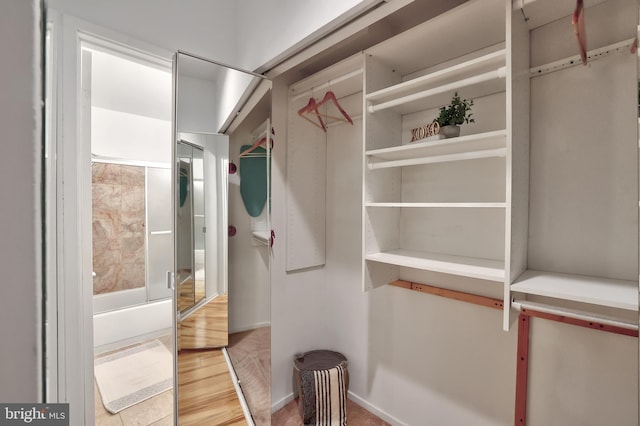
[[441, 206], [597, 278], [462, 206]]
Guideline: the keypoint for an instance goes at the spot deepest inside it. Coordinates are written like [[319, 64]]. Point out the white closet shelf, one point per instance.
[[261, 236], [461, 144], [472, 87], [613, 293], [462, 71], [485, 269], [500, 205], [482, 145]]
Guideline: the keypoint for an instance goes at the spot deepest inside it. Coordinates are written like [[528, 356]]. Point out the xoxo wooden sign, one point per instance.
[[425, 131]]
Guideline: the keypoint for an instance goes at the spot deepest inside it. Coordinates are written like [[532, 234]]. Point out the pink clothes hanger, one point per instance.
[[312, 108], [578, 28], [330, 96], [262, 142]]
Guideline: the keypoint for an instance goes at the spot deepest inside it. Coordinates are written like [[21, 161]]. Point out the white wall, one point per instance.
[[120, 135], [196, 106], [20, 121], [202, 27]]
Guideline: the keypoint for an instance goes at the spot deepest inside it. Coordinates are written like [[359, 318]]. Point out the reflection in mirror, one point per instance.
[[208, 98], [249, 258], [190, 244], [201, 253]]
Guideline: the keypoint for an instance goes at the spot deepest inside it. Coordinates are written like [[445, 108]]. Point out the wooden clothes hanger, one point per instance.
[[578, 28], [312, 107], [262, 142]]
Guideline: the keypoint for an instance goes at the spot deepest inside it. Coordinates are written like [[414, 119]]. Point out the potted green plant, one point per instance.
[[451, 117]]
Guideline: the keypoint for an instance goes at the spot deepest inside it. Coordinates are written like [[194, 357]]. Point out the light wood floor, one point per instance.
[[206, 395], [189, 293], [207, 327]]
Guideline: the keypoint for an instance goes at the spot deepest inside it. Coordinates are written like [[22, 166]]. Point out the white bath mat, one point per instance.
[[128, 377]]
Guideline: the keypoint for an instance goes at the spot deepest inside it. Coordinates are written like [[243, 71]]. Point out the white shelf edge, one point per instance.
[[485, 269], [499, 205], [496, 74], [413, 146], [261, 236], [425, 79], [607, 292], [473, 155]]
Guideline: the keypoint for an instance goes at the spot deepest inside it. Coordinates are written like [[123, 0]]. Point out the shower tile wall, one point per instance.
[[118, 227]]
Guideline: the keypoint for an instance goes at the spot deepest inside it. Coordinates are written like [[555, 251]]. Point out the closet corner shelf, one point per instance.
[[608, 292], [485, 269], [481, 145]]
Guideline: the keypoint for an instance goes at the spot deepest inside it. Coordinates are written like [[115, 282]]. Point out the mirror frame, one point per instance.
[[226, 118]]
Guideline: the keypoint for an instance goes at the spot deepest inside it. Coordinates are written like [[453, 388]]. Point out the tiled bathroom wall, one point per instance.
[[118, 227]]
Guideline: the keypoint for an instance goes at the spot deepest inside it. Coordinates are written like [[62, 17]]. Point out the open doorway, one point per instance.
[[126, 121]]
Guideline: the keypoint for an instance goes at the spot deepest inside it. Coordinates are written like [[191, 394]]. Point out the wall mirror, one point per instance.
[[222, 246]]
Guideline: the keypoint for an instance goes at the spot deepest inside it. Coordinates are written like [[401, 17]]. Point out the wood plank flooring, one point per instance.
[[207, 327], [189, 293], [206, 395]]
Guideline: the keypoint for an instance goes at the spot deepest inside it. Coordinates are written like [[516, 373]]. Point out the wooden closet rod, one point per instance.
[[450, 294]]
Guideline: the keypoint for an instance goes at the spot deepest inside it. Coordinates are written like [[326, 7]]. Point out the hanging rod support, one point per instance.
[[592, 55], [575, 317]]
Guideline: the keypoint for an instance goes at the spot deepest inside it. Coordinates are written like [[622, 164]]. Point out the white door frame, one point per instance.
[[72, 217]]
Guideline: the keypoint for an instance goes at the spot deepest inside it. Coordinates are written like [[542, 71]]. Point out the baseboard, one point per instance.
[[353, 397], [249, 327], [281, 403], [375, 410]]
